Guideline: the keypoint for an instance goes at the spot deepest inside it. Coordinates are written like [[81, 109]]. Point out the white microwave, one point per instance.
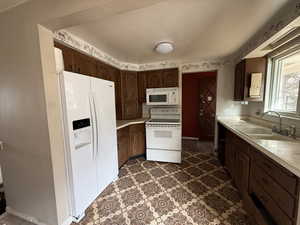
[[162, 96]]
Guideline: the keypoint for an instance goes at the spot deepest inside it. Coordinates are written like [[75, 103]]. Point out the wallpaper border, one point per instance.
[[81, 45]]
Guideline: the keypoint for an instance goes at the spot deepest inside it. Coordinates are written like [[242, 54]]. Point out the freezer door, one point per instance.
[[79, 132], [104, 99]]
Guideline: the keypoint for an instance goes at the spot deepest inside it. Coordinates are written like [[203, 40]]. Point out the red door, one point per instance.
[[199, 105]]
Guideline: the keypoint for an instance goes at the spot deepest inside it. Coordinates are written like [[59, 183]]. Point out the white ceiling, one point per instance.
[[8, 4], [200, 29]]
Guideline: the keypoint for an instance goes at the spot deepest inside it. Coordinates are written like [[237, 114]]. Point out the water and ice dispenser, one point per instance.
[[82, 133]]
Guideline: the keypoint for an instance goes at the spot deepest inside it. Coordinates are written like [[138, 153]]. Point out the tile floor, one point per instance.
[[196, 192]]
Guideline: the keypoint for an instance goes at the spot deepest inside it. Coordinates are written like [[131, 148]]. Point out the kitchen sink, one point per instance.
[[272, 137], [257, 131]]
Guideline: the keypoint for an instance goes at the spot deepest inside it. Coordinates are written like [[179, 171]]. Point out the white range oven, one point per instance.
[[162, 96], [163, 135]]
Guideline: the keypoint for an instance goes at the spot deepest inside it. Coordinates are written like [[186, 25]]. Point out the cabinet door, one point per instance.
[[239, 81], [142, 86], [170, 78], [84, 64], [242, 172], [155, 79], [123, 145], [129, 95], [67, 56], [102, 70], [137, 140]]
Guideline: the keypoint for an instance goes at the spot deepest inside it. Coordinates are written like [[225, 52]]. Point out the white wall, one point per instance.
[[29, 114]]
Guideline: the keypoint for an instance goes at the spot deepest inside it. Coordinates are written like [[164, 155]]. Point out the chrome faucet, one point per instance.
[[275, 129]]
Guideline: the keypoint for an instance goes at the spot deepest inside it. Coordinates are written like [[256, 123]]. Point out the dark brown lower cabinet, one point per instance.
[[270, 192], [123, 145], [137, 140], [131, 142]]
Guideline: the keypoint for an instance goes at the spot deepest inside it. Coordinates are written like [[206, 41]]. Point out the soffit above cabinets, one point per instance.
[[199, 29]]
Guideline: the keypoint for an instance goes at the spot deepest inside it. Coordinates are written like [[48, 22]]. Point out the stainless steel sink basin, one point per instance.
[[258, 131], [272, 137]]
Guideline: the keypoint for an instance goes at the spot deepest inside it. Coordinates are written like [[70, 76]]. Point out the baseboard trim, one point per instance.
[[23, 216], [68, 221], [190, 138], [31, 219]]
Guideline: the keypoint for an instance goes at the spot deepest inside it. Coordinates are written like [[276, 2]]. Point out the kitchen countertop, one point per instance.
[[125, 123], [285, 153]]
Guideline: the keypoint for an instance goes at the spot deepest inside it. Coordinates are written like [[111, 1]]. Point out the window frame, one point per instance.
[[271, 94]]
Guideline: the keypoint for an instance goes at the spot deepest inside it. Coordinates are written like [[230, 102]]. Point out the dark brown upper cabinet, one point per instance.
[[129, 93], [84, 64], [156, 79], [170, 78], [142, 86], [130, 86], [242, 82]]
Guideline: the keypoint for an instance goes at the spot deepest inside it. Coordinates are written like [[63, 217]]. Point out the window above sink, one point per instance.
[[282, 93]]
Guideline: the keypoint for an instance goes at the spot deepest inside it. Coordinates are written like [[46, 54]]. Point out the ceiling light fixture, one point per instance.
[[164, 47]]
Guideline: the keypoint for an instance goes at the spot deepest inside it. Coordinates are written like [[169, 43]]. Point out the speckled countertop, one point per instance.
[[125, 123], [286, 153]]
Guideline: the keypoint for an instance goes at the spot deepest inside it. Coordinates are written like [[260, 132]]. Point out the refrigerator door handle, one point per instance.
[[93, 123], [97, 123]]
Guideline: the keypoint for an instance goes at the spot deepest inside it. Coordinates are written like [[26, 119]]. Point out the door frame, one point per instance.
[[181, 94]]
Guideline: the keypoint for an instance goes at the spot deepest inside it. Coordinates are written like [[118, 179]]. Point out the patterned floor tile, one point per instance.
[[215, 202], [171, 168], [150, 189], [177, 219], [238, 218], [115, 220], [131, 197], [162, 204], [181, 196], [221, 175], [193, 160], [195, 171], [125, 183], [168, 182], [136, 169], [230, 194], [200, 214], [142, 177], [210, 181], [206, 167], [197, 188], [182, 176], [140, 215], [196, 192], [157, 172], [108, 206]]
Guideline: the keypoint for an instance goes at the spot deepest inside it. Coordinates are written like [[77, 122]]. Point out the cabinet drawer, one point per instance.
[[283, 199], [276, 213], [285, 178]]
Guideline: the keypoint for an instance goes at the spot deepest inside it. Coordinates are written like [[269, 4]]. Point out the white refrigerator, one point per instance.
[[90, 137]]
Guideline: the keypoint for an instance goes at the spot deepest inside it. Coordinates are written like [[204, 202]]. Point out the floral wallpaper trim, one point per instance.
[[77, 43], [87, 48], [287, 15]]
